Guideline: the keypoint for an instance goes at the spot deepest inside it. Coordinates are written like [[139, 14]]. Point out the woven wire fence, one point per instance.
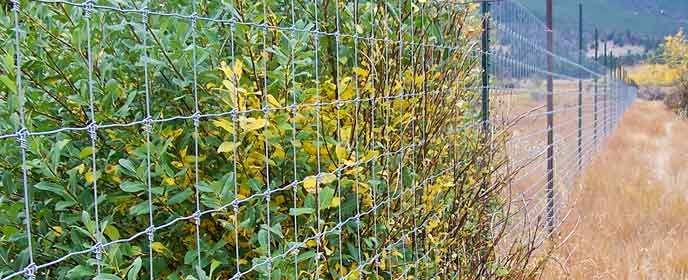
[[280, 139], [588, 101]]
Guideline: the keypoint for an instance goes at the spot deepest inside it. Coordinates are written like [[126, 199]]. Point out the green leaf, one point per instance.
[[127, 165], [86, 152], [301, 211], [177, 198], [111, 232], [134, 268], [131, 187], [90, 224], [306, 255], [56, 151], [53, 188], [80, 272], [106, 276], [214, 264], [62, 205], [275, 230], [263, 238], [326, 195], [139, 209], [8, 83]]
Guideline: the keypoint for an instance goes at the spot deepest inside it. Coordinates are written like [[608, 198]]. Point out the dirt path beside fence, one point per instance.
[[632, 203]]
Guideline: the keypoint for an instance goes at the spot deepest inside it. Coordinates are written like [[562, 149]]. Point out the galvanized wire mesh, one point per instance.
[[588, 104]]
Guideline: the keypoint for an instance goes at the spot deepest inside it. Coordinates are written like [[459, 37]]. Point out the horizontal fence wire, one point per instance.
[[287, 139], [518, 75]]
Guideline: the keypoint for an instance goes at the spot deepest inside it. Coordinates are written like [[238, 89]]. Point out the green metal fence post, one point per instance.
[[594, 129], [580, 86], [550, 119]]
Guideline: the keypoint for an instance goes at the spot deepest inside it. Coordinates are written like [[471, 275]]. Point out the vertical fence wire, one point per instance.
[[573, 124]]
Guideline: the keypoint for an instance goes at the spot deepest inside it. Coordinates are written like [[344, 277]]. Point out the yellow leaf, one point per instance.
[[158, 247], [341, 153], [327, 178], [309, 183], [370, 155], [342, 269], [346, 133], [272, 101], [226, 147], [250, 124], [89, 177], [360, 71], [311, 243], [278, 152], [177, 164], [57, 230], [168, 181], [244, 192], [182, 152], [359, 29], [169, 133], [225, 69], [238, 68], [111, 168], [81, 168], [353, 171], [353, 271], [335, 202], [309, 148], [224, 124], [347, 93], [279, 200], [229, 85]]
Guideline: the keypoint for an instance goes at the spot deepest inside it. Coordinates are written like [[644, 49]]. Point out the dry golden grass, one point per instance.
[[632, 204]]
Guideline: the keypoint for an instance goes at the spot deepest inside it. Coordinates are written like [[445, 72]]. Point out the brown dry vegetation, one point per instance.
[[632, 204]]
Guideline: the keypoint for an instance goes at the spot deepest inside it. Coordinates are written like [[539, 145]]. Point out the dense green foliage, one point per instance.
[[379, 127]]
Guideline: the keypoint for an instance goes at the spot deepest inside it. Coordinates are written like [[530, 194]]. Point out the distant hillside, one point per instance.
[[644, 18]]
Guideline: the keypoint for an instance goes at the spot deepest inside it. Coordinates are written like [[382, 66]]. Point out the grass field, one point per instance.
[[632, 203]]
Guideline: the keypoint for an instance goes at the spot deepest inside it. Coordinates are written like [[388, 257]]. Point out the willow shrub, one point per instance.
[[344, 133], [675, 54]]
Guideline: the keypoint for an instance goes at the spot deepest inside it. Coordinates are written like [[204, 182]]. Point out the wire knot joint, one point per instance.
[[144, 14], [150, 232], [92, 128], [15, 5], [147, 124], [98, 250], [194, 19], [196, 216], [196, 117], [88, 8], [30, 271], [22, 138]]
